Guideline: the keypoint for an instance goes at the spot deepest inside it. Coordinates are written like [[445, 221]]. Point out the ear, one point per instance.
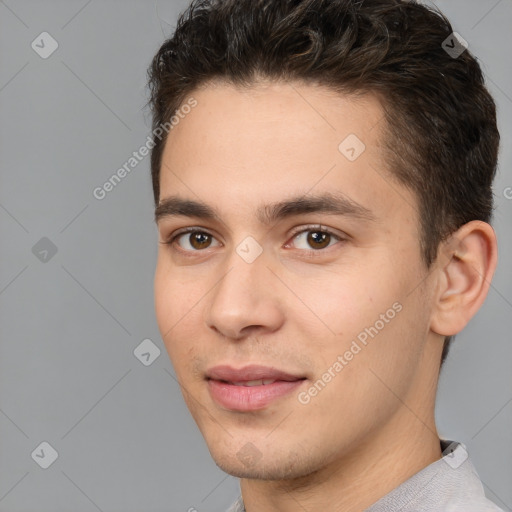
[[466, 264]]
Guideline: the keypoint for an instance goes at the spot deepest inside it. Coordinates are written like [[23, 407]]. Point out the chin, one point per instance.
[[249, 462]]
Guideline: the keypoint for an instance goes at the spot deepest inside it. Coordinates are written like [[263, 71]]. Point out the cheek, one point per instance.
[[338, 305], [174, 297], [171, 305], [365, 309], [178, 314], [164, 298]]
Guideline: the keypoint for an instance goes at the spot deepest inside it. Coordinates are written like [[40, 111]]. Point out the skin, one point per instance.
[[297, 307]]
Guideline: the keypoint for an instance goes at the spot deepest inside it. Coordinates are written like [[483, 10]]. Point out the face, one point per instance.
[[297, 309]]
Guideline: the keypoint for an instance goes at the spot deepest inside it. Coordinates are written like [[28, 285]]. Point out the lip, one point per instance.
[[224, 392], [250, 372]]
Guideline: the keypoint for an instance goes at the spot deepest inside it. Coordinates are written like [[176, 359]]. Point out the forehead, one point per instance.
[[271, 115], [242, 145]]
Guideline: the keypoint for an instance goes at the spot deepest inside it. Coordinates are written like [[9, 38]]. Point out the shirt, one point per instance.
[[450, 484]]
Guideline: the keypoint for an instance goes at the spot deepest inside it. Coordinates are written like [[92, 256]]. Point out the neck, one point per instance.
[[351, 484], [381, 462]]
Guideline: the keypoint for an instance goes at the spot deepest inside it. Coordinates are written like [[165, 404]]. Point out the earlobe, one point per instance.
[[466, 264]]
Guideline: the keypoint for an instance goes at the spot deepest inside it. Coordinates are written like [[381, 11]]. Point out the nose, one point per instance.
[[246, 301]]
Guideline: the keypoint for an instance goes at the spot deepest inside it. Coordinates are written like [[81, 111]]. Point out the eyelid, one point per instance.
[[317, 227], [311, 227], [191, 229]]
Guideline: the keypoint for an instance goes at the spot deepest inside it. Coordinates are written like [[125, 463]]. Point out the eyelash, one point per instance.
[[313, 228]]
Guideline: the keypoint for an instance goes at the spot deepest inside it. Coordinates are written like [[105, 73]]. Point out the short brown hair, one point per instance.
[[441, 120]]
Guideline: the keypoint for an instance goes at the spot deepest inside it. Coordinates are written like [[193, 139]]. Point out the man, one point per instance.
[[322, 176]]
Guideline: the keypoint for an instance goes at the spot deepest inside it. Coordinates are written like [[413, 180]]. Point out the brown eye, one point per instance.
[[199, 240], [318, 239], [315, 239], [193, 240]]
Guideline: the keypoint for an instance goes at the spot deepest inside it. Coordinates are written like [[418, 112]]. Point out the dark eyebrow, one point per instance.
[[336, 204]]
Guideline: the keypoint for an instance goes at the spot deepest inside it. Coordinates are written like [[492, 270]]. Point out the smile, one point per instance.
[[250, 388]]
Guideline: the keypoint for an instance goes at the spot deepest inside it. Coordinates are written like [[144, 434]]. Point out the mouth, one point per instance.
[[250, 383], [250, 388]]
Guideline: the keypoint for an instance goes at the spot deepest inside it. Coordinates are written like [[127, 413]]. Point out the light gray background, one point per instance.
[[69, 326]]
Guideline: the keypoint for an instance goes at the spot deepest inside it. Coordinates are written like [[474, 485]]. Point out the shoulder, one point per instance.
[[238, 506], [479, 504], [464, 490], [451, 484]]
